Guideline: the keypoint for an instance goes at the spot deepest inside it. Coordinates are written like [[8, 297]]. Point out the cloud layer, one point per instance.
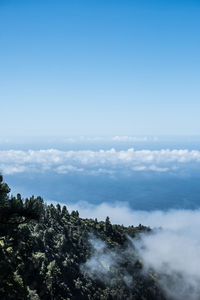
[[96, 162], [108, 265], [172, 250], [175, 257]]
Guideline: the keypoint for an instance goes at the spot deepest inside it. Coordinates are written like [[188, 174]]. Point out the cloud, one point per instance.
[[108, 265], [129, 139], [83, 138], [67, 169], [172, 250], [175, 257], [121, 213], [101, 261], [117, 138], [97, 162]]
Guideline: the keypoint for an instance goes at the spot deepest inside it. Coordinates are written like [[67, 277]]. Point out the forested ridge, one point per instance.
[[44, 251]]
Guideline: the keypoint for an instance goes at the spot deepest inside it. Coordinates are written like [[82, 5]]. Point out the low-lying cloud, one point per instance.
[[175, 257], [171, 250], [104, 263], [97, 162]]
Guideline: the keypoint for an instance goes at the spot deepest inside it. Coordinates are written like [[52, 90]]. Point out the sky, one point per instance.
[[114, 68], [99, 67]]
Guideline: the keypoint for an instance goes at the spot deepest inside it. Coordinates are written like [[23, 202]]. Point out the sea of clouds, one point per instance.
[[97, 162], [173, 248]]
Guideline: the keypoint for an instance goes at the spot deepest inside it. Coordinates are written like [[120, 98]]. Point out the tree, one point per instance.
[[107, 226], [14, 211]]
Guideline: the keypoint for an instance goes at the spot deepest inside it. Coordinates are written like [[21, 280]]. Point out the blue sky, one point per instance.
[[99, 67]]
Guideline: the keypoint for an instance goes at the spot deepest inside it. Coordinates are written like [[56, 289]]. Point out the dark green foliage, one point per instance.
[[42, 249], [15, 237]]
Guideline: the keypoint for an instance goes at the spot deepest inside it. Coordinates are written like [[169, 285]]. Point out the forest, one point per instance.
[[49, 253]]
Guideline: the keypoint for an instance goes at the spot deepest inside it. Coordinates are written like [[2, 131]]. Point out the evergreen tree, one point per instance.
[[44, 260]]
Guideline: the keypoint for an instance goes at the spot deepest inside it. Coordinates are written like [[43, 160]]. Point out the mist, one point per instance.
[[171, 251], [109, 265]]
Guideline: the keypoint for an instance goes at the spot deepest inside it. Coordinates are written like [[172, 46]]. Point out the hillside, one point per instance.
[[48, 253]]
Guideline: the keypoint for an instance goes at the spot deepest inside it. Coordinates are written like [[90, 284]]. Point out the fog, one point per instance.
[[171, 250]]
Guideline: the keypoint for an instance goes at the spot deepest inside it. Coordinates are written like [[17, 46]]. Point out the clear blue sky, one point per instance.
[[99, 67]]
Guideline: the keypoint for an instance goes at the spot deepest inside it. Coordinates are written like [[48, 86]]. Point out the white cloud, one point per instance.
[[117, 138], [121, 213], [67, 169], [173, 251], [126, 138], [102, 161], [12, 169], [100, 265], [175, 256]]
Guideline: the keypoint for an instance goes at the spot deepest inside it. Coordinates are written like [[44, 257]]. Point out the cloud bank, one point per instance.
[[97, 162], [175, 257], [172, 250]]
